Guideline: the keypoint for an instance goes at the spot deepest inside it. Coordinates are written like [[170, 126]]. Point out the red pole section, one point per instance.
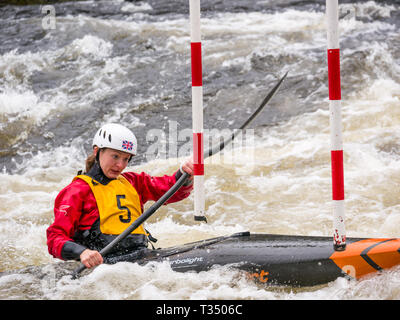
[[197, 110], [197, 72], [333, 54], [334, 74]]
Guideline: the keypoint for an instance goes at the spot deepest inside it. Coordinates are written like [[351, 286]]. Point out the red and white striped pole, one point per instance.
[[197, 111], [332, 15]]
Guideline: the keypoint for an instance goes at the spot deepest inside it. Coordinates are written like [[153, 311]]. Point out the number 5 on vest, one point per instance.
[[121, 207]]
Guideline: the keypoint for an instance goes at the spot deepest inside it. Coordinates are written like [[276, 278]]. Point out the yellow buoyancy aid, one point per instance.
[[118, 203]]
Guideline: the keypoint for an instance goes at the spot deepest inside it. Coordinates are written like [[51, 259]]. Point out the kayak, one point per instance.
[[289, 260], [268, 259]]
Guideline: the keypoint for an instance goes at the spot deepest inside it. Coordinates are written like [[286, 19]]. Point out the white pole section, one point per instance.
[[332, 16], [197, 110]]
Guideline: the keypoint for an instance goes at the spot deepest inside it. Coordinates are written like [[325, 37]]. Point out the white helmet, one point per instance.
[[117, 137]]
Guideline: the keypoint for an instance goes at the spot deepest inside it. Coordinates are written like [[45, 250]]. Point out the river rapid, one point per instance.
[[68, 69]]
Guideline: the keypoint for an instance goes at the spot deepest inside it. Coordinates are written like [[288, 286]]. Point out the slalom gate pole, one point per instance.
[[197, 111], [332, 16]]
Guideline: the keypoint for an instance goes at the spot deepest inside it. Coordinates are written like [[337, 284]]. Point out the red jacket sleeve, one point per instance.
[[153, 188], [74, 208]]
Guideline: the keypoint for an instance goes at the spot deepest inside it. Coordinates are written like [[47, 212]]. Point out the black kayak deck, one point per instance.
[[278, 259]]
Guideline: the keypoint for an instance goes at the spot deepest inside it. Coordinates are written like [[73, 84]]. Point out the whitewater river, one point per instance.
[[66, 71]]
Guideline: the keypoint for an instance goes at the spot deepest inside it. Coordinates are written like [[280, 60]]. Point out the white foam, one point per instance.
[[92, 45], [132, 7]]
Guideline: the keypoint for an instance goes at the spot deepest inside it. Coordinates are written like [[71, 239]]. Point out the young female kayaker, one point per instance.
[[101, 203]]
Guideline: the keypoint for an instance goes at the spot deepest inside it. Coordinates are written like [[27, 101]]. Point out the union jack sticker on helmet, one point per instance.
[[127, 145]]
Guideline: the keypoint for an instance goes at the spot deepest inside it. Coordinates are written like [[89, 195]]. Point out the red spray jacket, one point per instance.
[[75, 207]]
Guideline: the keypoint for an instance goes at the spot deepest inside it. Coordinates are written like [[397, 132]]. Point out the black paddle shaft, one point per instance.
[[269, 96], [149, 212]]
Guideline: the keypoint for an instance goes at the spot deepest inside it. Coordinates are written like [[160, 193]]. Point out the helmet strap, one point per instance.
[[98, 156]]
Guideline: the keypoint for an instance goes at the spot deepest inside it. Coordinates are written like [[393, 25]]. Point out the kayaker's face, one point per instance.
[[113, 162]]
